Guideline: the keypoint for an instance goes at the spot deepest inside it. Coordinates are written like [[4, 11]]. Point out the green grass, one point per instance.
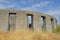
[[57, 29]]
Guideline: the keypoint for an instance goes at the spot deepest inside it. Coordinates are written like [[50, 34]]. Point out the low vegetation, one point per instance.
[[57, 29], [28, 35]]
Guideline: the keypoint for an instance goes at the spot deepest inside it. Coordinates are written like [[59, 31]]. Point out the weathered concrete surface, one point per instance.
[[21, 20]]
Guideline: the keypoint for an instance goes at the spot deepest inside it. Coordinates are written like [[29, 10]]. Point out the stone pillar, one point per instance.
[[55, 23], [4, 21], [36, 22], [21, 20], [48, 24]]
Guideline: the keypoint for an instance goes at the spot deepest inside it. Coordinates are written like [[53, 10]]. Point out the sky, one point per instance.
[[50, 7]]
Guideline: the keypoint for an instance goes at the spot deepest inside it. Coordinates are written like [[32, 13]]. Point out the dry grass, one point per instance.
[[28, 35]]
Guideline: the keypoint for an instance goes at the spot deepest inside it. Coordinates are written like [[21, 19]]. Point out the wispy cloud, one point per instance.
[[3, 0], [3, 6], [54, 12], [13, 5], [23, 1], [35, 6]]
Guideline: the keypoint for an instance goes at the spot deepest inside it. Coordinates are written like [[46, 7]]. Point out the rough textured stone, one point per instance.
[[21, 20]]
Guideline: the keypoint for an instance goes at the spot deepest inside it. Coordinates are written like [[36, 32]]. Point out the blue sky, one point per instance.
[[50, 7]]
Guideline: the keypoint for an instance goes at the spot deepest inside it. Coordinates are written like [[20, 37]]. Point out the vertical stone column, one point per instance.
[[55, 23], [4, 21], [36, 22], [48, 24], [21, 20], [17, 21]]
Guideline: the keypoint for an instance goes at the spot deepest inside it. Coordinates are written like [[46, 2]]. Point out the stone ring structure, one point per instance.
[[19, 19]]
